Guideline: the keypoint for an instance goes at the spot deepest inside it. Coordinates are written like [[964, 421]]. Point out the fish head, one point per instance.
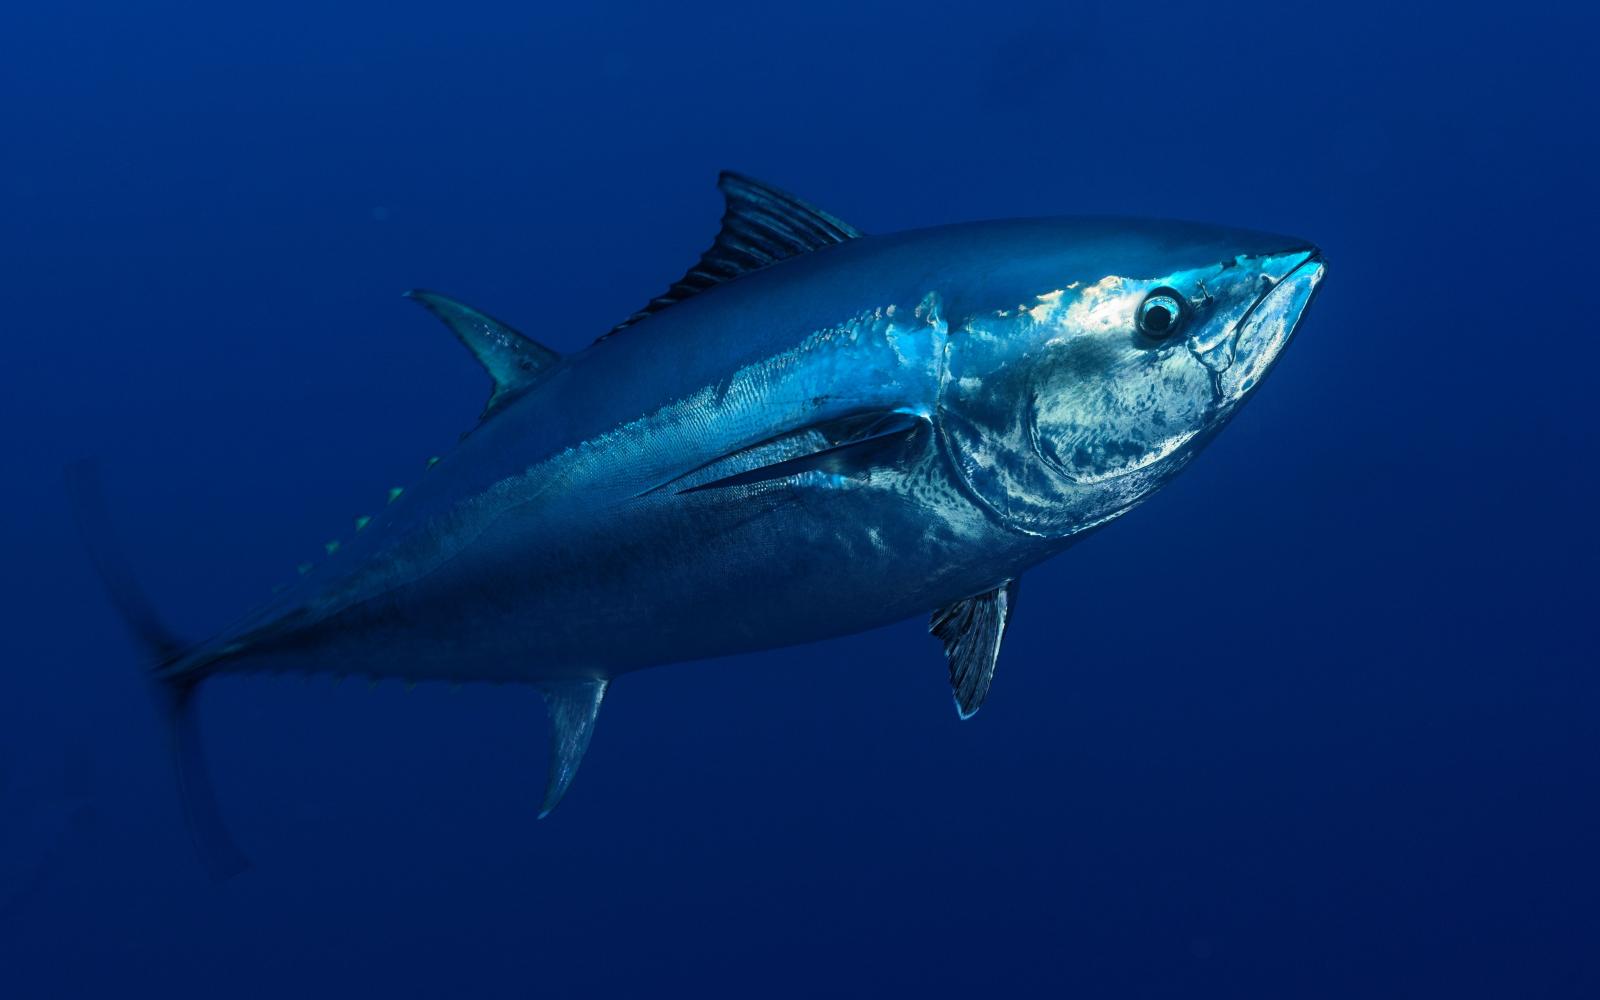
[[1111, 356]]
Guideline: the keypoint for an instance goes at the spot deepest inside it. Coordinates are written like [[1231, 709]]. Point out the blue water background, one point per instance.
[[1318, 720]]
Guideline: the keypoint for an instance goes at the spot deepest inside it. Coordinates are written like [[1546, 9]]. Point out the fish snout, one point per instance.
[[1291, 282]]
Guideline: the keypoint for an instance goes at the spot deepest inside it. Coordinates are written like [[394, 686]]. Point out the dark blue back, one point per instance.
[[1357, 756]]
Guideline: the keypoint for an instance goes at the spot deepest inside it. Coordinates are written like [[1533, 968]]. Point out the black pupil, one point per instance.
[[1157, 318]]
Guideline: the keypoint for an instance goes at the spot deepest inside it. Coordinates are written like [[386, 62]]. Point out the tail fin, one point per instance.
[[175, 696]]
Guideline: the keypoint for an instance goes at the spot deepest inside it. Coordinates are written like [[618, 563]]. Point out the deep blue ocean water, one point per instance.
[[1317, 720]]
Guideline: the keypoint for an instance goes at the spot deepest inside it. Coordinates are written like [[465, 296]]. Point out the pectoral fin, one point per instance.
[[874, 445], [971, 631], [573, 706]]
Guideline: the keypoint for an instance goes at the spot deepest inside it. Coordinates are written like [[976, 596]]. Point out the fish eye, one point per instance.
[[1160, 314]]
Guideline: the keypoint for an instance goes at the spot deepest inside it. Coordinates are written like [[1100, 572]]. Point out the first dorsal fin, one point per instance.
[[512, 360], [760, 226], [971, 630], [573, 707]]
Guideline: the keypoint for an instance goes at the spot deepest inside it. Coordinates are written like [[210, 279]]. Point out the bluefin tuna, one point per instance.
[[814, 432]]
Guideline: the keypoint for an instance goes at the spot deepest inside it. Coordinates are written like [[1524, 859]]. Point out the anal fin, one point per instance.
[[573, 706], [971, 630]]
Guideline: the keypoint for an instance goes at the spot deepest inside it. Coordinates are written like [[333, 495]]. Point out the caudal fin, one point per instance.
[[174, 696]]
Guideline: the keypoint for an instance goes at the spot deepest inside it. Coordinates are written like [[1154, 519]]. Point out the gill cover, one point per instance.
[[1066, 409]]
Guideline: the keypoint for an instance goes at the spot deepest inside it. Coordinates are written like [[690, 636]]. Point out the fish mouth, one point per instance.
[[1265, 329]]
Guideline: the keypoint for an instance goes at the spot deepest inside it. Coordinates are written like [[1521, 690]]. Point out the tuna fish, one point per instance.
[[812, 433]]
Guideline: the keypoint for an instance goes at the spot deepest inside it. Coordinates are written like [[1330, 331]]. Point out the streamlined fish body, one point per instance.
[[815, 432]]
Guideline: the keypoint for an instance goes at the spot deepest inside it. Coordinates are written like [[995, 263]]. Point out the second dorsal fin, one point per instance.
[[512, 360], [760, 226]]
